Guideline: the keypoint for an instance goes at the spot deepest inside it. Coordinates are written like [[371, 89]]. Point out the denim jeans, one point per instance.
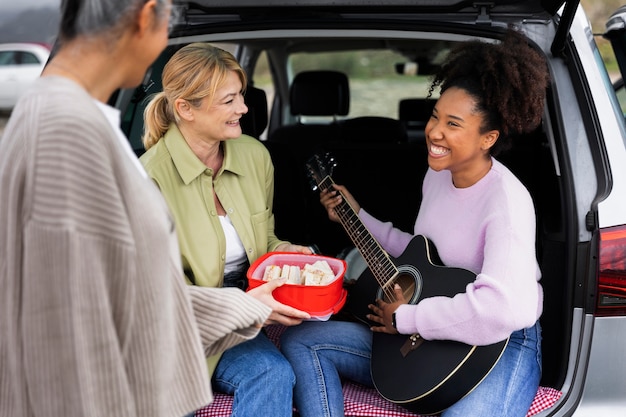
[[259, 377], [510, 387], [322, 353]]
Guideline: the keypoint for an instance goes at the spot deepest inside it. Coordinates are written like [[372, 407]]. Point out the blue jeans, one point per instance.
[[322, 353], [510, 387], [259, 377]]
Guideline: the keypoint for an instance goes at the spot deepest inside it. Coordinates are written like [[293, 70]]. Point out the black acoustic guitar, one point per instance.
[[425, 377]]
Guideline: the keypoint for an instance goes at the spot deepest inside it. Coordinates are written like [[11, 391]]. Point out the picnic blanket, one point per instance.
[[361, 401]]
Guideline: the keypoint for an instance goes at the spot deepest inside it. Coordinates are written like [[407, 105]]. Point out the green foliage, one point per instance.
[[598, 12]]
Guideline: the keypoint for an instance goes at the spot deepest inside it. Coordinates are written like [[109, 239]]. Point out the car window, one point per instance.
[[620, 92], [18, 58], [27, 58], [376, 87], [618, 100], [7, 58]]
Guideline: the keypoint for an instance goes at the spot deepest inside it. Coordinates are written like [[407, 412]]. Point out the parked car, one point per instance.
[[574, 164], [20, 66]]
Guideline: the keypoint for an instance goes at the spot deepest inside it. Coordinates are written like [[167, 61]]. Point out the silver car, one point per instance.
[[574, 165]]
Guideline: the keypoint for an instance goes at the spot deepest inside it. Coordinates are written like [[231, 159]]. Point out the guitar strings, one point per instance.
[[363, 239]]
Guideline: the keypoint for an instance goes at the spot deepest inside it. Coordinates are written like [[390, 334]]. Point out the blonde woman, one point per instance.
[[219, 185]]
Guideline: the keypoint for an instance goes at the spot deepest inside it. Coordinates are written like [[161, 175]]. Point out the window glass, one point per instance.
[[621, 96], [617, 100], [375, 86], [263, 77], [28, 58], [7, 58], [263, 80]]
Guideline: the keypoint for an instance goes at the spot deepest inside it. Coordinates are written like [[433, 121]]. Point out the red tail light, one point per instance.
[[612, 272]]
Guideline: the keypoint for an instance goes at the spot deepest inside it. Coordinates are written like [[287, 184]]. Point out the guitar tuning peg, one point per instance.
[[312, 182]]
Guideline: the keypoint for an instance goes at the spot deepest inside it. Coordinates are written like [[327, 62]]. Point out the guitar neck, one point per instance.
[[374, 255]]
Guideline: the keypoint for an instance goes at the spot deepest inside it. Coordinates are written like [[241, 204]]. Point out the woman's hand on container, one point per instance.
[[281, 313]]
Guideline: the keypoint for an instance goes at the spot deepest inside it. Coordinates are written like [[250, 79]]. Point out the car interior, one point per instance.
[[299, 111]]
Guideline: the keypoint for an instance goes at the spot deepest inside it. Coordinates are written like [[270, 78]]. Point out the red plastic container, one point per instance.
[[320, 301]]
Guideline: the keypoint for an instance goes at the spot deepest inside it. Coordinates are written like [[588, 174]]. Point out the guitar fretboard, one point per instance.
[[375, 256]]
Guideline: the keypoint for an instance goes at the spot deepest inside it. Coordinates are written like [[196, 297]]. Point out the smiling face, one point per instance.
[[454, 138], [220, 120]]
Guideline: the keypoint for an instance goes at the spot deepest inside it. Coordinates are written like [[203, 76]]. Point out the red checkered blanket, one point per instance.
[[360, 401]]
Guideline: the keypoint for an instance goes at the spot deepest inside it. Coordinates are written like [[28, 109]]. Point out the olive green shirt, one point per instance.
[[245, 187]]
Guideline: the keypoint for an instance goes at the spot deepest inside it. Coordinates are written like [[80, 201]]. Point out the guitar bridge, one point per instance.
[[413, 342]]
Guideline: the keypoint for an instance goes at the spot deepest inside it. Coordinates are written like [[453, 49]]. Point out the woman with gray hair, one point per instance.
[[95, 315]]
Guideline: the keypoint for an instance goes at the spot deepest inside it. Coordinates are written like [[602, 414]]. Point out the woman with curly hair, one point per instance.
[[480, 217]]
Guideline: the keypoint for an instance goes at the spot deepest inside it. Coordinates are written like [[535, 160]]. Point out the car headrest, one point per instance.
[[320, 93], [415, 109], [373, 129], [255, 121]]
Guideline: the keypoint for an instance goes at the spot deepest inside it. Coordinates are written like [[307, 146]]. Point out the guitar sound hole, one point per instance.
[[409, 279], [407, 283]]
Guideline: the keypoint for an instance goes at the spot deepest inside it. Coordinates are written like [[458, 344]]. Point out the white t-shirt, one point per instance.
[[235, 252]]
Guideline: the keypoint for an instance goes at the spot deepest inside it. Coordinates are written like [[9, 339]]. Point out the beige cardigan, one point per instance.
[[95, 316]]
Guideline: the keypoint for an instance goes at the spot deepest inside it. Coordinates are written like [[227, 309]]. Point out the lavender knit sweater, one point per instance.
[[489, 229]]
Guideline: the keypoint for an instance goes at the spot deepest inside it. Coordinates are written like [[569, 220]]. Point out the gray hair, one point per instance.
[[96, 17]]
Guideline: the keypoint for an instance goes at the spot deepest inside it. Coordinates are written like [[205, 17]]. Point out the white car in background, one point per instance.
[[20, 65]]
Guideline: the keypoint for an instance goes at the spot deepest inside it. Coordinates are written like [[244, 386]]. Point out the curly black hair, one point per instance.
[[508, 80]]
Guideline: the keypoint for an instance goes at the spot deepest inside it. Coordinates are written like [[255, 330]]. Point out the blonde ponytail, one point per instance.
[[157, 119]]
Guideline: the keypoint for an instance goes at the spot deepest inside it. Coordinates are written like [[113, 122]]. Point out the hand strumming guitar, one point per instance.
[[383, 311]]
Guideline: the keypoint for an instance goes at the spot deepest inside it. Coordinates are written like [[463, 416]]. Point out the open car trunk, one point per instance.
[[546, 161]]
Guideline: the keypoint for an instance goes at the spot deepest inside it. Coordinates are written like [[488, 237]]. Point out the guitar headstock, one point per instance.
[[319, 167]]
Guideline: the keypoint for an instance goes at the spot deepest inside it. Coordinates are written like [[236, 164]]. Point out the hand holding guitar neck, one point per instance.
[[334, 196]]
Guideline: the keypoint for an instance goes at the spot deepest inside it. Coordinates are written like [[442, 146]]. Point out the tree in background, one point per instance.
[[598, 12]]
